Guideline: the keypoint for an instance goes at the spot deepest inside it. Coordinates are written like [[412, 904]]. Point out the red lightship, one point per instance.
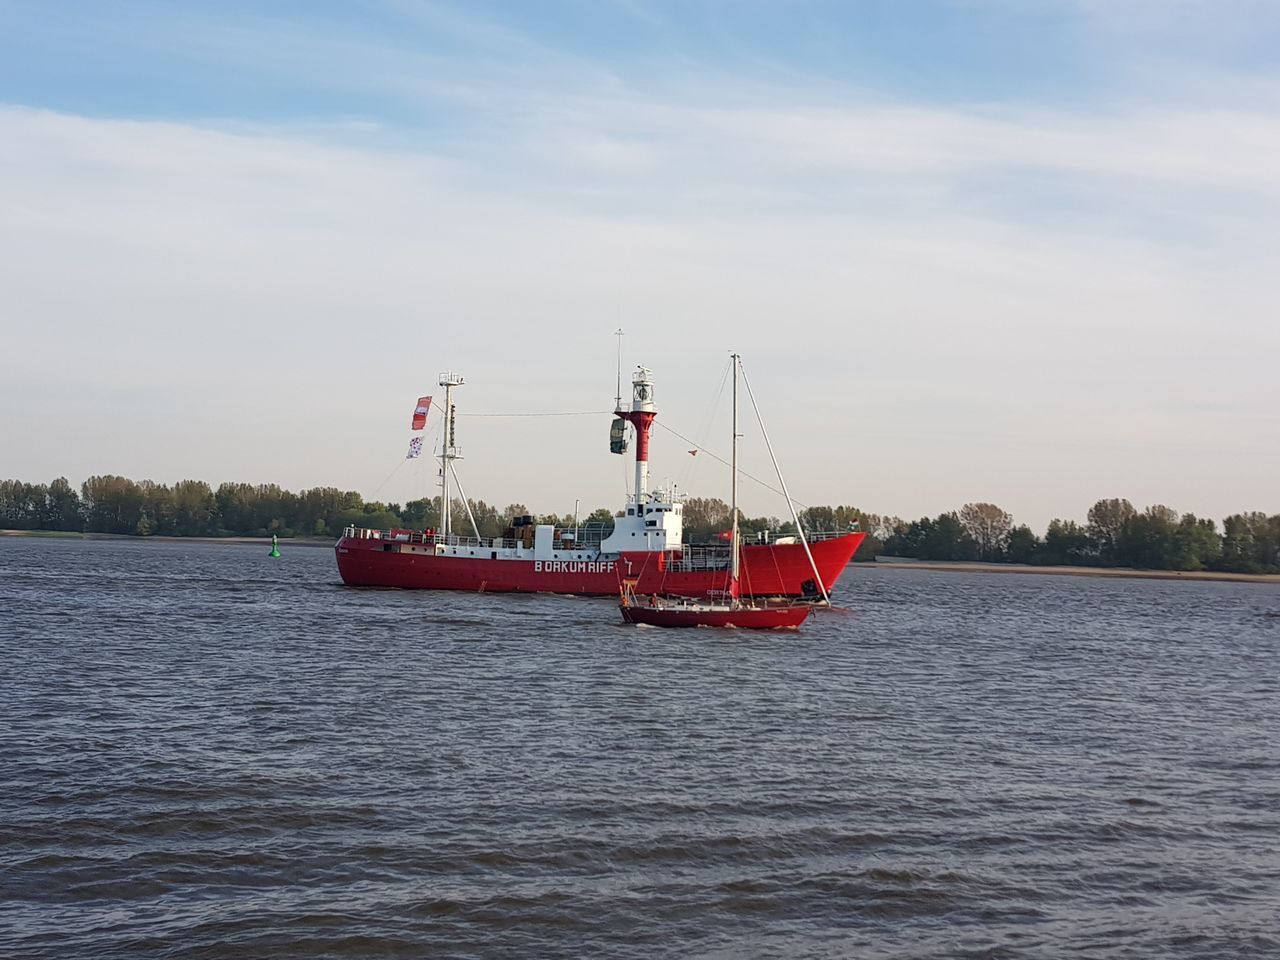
[[644, 546]]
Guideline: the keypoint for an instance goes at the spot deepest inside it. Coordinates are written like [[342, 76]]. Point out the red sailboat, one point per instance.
[[740, 614], [733, 611]]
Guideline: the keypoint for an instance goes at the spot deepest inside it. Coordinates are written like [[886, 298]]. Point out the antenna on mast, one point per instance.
[[617, 405]]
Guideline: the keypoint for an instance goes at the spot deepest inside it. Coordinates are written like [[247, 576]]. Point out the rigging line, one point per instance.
[[572, 413], [720, 459], [687, 476], [783, 483], [387, 478], [435, 428]]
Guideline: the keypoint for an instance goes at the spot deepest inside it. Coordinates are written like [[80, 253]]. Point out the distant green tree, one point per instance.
[[1066, 542], [194, 509], [752, 528], [906, 537], [950, 540], [458, 522], [943, 538], [704, 518], [1146, 540], [1022, 545], [1238, 544], [1196, 544], [513, 510], [1106, 525], [63, 507], [22, 505], [599, 522], [422, 514], [234, 507], [379, 519], [318, 509], [157, 515], [488, 520], [844, 518], [871, 524], [815, 519], [112, 504], [1250, 543], [988, 527], [275, 510], [1267, 544]]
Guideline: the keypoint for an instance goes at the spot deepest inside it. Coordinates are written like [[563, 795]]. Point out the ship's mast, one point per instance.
[[448, 452], [734, 545]]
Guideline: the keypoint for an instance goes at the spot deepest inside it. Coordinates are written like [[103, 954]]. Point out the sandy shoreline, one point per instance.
[[959, 566]]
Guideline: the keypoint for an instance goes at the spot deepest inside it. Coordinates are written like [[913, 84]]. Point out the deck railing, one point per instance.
[[588, 538]]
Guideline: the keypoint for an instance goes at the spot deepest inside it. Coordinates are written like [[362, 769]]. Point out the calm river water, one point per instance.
[[208, 753]]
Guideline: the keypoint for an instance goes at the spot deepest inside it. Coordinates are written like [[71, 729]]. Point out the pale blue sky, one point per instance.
[[1002, 250]]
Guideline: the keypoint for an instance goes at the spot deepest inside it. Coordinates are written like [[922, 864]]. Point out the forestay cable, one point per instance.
[[803, 539], [571, 413], [720, 459]]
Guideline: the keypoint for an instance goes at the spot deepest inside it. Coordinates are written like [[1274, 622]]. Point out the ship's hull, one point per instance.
[[768, 570], [787, 617]]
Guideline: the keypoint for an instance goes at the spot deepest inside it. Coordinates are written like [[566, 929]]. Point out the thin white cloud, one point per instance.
[[974, 301], [179, 272]]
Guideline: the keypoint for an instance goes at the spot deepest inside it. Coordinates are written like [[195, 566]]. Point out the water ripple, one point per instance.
[[210, 754]]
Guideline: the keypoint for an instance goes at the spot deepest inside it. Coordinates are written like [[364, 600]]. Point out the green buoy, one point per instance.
[[275, 550]]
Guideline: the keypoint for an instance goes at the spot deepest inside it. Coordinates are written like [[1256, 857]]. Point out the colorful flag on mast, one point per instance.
[[415, 449], [420, 413]]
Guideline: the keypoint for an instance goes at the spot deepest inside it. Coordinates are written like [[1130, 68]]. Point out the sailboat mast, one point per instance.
[[735, 547]]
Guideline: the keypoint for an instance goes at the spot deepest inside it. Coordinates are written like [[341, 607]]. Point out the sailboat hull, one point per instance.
[[785, 617]]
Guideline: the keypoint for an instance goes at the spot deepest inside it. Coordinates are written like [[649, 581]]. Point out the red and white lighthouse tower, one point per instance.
[[652, 519], [641, 416]]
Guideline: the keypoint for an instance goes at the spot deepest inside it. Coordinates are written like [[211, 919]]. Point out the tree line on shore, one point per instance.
[[191, 508], [1115, 534]]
